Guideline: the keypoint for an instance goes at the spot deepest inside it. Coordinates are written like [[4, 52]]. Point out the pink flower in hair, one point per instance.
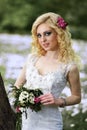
[[61, 23]]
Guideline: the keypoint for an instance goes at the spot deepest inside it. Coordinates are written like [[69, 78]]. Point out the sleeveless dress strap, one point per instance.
[[32, 58], [68, 68]]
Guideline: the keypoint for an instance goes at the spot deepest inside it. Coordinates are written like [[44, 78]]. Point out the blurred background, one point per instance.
[[16, 18]]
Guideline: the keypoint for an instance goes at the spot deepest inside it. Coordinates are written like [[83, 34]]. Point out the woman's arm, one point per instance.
[[75, 87], [22, 78]]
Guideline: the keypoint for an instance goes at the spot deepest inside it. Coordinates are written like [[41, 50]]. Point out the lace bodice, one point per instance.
[[53, 82]]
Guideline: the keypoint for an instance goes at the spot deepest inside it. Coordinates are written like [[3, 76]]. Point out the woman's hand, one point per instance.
[[49, 99]]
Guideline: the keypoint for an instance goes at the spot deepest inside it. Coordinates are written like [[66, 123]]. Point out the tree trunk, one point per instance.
[[7, 116]]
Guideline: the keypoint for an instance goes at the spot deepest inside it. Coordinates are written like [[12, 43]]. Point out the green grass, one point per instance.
[[77, 122], [2, 70], [85, 69]]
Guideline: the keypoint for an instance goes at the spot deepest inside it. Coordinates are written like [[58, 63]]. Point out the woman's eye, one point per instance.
[[47, 33], [38, 35]]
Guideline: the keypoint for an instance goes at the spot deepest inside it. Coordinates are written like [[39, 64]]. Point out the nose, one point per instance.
[[43, 38]]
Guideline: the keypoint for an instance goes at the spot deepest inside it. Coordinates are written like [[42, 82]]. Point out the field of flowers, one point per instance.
[[13, 53]]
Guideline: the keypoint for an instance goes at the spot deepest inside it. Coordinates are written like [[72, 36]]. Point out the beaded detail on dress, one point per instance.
[[49, 118]]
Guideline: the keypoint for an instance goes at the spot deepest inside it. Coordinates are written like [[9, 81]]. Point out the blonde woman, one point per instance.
[[49, 67]]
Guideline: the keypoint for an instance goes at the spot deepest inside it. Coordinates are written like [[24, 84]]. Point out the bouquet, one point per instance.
[[27, 98], [23, 99]]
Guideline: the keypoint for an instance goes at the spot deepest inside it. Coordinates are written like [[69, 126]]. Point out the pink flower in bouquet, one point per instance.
[[37, 100], [18, 109]]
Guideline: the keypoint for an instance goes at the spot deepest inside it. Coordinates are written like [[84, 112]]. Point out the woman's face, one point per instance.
[[47, 37]]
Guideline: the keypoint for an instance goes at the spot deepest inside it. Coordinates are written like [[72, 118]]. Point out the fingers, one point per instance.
[[47, 99]]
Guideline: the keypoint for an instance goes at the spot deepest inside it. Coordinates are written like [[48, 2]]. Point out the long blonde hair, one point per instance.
[[67, 53]]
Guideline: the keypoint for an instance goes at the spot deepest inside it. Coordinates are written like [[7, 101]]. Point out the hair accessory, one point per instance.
[[61, 23]]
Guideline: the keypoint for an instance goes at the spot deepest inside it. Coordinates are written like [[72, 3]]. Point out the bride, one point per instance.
[[50, 66]]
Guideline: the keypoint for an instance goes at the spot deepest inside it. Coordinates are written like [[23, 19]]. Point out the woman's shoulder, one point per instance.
[[71, 67], [31, 57]]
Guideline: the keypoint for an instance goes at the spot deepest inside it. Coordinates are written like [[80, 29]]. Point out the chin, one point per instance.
[[47, 49]]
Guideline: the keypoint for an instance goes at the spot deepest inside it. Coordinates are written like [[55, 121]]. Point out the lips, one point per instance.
[[45, 45]]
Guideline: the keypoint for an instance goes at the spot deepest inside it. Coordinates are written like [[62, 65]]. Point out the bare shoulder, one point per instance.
[[74, 68], [73, 73]]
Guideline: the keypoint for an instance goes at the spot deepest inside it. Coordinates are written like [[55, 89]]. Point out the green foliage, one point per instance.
[[18, 16], [77, 122], [79, 32], [2, 70], [18, 121]]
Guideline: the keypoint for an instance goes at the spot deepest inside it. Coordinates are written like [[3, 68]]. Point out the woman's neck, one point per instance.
[[52, 54]]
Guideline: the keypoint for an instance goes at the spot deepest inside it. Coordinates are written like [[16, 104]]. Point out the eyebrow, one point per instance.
[[45, 31]]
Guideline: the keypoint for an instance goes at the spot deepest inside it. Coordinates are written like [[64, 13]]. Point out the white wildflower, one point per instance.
[[72, 125], [31, 98], [23, 96], [86, 120], [21, 109]]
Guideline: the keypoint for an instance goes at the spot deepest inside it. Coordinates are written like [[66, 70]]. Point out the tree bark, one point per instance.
[[7, 116]]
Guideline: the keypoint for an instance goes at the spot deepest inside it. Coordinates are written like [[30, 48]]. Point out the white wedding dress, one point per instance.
[[49, 118]]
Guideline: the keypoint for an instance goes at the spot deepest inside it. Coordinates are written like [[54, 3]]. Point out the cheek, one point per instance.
[[38, 40], [40, 43], [54, 39]]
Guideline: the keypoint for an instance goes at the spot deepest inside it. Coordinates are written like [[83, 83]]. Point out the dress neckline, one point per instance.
[[60, 65], [45, 74]]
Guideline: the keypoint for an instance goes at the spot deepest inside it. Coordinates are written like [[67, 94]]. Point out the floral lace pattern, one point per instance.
[[54, 83]]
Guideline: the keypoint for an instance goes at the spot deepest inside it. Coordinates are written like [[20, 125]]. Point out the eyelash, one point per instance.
[[45, 34], [38, 35]]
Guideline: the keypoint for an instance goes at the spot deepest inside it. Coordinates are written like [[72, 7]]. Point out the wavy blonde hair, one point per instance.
[[67, 53]]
